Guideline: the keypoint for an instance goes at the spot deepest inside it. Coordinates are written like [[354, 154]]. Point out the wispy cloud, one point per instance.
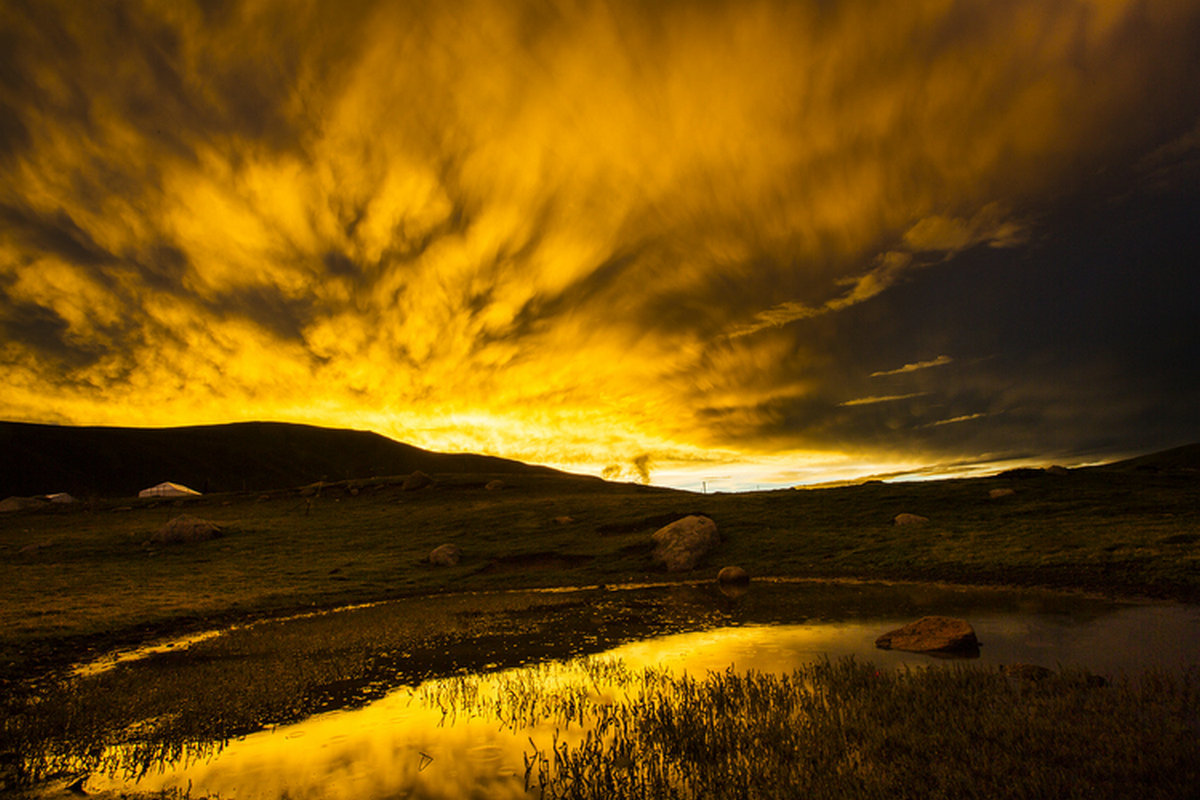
[[891, 398], [918, 365], [953, 420]]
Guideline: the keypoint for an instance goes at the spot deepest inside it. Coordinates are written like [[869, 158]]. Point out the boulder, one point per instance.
[[931, 635], [680, 545], [495, 486], [997, 494], [445, 555], [418, 480], [20, 503], [910, 519], [1057, 470], [184, 529], [733, 575], [564, 520]]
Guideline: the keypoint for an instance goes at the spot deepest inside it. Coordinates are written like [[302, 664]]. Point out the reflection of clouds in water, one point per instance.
[[397, 746], [392, 746]]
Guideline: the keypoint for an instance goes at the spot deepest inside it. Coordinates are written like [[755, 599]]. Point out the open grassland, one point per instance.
[[74, 579]]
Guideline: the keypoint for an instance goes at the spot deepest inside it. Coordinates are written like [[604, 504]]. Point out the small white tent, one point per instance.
[[168, 489]]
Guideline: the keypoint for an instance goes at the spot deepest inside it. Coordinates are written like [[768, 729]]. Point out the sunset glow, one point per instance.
[[763, 243]]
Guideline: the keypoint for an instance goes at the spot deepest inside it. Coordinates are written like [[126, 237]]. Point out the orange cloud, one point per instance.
[[572, 233]]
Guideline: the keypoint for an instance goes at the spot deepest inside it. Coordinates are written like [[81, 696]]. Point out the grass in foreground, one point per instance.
[[846, 729], [827, 730]]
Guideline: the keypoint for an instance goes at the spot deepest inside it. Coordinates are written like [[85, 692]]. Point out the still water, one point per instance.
[[402, 743]]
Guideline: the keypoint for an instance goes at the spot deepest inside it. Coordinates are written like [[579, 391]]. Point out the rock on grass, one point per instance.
[[680, 545], [445, 555], [185, 529]]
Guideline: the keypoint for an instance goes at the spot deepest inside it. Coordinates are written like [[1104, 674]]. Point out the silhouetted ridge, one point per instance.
[[1186, 457], [211, 458]]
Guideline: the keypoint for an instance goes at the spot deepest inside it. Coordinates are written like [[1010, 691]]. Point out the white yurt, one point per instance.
[[168, 489]]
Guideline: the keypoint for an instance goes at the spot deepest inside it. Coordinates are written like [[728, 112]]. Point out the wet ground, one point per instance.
[[329, 704]]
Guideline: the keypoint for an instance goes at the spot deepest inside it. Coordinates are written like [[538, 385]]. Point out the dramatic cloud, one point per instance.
[[607, 234]]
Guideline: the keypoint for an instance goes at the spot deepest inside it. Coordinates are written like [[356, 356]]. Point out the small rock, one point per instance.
[[445, 555], [910, 519], [1057, 470], [733, 575], [931, 635], [680, 545], [185, 529], [996, 494], [563, 520], [495, 486], [1025, 672], [418, 480]]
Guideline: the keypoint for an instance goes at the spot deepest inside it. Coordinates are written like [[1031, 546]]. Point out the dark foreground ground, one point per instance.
[[78, 579]]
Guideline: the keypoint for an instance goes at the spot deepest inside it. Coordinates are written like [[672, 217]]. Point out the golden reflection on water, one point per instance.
[[394, 746], [403, 746], [446, 739]]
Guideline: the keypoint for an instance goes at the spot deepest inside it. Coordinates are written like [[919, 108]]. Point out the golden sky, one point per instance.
[[757, 242]]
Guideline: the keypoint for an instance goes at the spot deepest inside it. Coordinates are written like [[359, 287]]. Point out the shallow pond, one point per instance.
[[396, 718]]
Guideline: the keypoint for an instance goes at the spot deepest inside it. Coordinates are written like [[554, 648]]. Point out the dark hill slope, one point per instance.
[[118, 462], [1177, 459]]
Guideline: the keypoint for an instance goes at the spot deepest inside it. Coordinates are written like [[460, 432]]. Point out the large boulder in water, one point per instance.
[[186, 528], [680, 545], [931, 635]]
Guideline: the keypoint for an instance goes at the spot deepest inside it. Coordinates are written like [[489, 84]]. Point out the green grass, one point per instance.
[[92, 582]]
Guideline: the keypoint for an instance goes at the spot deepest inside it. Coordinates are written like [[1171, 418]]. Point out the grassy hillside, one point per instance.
[[250, 456]]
